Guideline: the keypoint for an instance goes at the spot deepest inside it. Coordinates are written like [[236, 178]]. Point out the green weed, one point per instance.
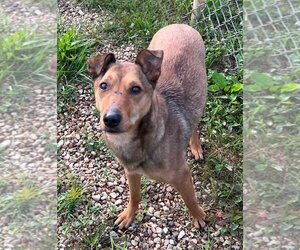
[[106, 174], [24, 54], [97, 145], [70, 200], [66, 97], [22, 200], [112, 209], [117, 246], [72, 51], [94, 145]]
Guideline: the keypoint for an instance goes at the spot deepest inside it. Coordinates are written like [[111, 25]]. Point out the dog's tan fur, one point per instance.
[[157, 123]]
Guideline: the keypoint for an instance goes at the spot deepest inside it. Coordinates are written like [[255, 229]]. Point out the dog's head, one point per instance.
[[123, 91]]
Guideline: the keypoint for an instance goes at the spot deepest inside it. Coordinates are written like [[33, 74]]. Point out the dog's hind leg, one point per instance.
[[195, 145], [184, 185], [126, 217]]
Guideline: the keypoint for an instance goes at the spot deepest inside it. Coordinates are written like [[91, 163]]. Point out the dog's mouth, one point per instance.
[[112, 130]]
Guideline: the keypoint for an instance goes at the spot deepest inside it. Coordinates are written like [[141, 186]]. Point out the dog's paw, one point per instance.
[[199, 219], [125, 218], [197, 153], [199, 223]]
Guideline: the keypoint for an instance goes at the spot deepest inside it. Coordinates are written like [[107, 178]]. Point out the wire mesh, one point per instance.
[[220, 23], [273, 23], [276, 25]]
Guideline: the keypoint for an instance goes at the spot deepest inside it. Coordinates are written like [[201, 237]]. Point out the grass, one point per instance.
[[136, 22], [24, 54], [22, 200], [27, 208], [72, 51], [69, 201]]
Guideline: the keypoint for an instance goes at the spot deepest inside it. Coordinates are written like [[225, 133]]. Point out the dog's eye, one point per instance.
[[103, 86], [135, 90]]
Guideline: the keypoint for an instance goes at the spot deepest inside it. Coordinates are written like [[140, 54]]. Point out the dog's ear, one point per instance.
[[150, 62], [99, 65]]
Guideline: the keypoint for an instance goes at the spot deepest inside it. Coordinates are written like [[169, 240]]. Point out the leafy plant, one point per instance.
[[220, 82]]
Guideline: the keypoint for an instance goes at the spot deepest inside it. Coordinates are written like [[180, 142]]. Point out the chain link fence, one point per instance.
[[273, 23], [221, 25]]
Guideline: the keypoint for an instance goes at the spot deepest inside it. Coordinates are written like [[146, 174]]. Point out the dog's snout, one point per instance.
[[112, 119]]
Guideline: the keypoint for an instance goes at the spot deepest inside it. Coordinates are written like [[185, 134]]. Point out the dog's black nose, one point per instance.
[[112, 119]]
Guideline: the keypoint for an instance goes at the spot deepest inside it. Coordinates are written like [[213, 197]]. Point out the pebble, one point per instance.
[[151, 210], [104, 196], [96, 197], [273, 242], [120, 189], [60, 143], [226, 243], [181, 234], [5, 144], [194, 241], [159, 230], [134, 243], [118, 202], [165, 208], [113, 234], [113, 195], [157, 214], [257, 234], [156, 240], [216, 234]]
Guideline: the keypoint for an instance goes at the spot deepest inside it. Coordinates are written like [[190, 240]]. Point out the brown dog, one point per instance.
[[150, 110]]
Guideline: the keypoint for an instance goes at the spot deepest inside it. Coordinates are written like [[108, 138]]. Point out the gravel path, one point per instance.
[[163, 221], [28, 147]]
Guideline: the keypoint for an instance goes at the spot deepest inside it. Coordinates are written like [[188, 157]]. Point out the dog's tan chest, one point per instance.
[[128, 151]]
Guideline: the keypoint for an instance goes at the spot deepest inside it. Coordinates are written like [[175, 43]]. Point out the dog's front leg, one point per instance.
[[126, 217], [184, 185]]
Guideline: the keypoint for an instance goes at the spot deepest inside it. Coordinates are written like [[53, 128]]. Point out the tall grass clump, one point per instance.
[[22, 200], [72, 51], [24, 55]]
